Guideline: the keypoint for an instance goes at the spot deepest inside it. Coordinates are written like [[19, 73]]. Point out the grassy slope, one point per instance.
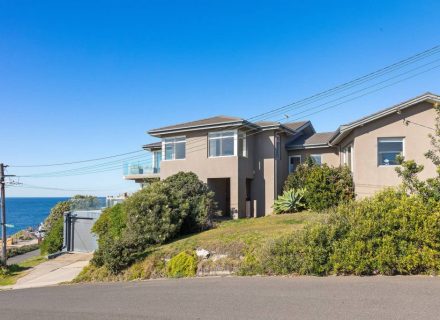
[[231, 238], [19, 270]]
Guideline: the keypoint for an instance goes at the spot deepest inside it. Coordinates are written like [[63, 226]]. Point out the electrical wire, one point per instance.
[[300, 103]]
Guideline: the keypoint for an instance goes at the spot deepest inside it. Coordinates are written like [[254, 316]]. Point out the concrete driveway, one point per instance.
[[61, 269], [302, 298]]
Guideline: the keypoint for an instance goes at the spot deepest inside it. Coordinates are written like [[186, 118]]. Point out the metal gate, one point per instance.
[[78, 234]]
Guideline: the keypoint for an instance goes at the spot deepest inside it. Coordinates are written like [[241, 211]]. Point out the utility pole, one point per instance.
[[3, 207], [3, 211]]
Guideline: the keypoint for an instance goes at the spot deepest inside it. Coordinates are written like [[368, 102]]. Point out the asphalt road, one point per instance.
[[232, 298], [22, 257]]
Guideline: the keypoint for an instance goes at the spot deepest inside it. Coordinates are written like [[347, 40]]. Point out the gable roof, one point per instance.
[[345, 129], [316, 140]]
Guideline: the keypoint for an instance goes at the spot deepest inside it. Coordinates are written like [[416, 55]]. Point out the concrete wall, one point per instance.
[[368, 176]]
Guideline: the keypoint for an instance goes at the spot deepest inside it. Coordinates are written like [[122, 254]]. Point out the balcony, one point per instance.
[[140, 170]]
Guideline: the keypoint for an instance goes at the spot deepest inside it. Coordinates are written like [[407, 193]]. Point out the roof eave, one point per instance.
[[344, 130], [159, 133], [310, 146]]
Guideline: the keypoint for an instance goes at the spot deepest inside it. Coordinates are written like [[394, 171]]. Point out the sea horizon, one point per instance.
[[25, 212]]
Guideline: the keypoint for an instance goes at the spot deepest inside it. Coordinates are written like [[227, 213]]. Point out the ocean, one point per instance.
[[29, 212]]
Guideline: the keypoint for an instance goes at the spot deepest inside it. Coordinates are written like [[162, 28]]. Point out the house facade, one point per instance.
[[246, 163]]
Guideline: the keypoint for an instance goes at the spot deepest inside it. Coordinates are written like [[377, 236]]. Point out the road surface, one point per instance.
[[232, 298], [22, 257]]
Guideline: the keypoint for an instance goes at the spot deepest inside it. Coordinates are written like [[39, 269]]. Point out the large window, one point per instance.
[[222, 144], [388, 149], [294, 162], [174, 148]]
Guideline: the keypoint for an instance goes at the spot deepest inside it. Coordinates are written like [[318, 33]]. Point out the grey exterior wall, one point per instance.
[[368, 176], [258, 166]]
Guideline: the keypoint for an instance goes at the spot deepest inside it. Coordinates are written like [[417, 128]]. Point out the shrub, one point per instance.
[[290, 201], [53, 240], [182, 265], [156, 214], [324, 186], [389, 233], [190, 194], [56, 213], [84, 202]]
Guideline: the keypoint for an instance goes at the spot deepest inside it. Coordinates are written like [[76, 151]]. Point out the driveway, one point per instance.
[[255, 298], [61, 269]]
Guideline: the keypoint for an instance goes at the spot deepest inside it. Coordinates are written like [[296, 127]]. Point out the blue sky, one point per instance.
[[83, 79]]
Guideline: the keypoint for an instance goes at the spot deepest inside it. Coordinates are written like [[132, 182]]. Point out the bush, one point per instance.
[[290, 201], [194, 197], [324, 186], [56, 214], [154, 215], [182, 265], [390, 233], [53, 240]]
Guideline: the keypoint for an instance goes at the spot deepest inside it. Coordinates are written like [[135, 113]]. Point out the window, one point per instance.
[[174, 148], [157, 158], [222, 144], [347, 153], [317, 159], [388, 149], [242, 145], [294, 162]]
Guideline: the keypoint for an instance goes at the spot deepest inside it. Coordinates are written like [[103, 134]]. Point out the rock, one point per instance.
[[202, 253], [216, 257]]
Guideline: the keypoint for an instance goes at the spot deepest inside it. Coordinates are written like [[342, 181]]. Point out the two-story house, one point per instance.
[[246, 163]]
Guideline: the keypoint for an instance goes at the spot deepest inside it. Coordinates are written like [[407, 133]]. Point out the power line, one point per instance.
[[328, 93], [74, 162], [300, 103], [349, 100], [92, 167]]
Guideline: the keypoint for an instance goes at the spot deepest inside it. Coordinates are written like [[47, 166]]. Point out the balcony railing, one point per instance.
[[135, 168]]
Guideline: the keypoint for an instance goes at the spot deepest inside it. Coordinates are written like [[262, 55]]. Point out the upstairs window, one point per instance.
[[222, 144], [317, 159], [388, 149], [174, 148]]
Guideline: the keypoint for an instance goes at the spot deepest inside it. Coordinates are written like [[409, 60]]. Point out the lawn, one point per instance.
[[18, 270], [228, 242], [248, 232]]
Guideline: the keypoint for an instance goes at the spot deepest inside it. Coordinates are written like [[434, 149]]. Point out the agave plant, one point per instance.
[[290, 201]]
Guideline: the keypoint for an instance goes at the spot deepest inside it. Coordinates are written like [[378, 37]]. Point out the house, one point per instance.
[[246, 163]]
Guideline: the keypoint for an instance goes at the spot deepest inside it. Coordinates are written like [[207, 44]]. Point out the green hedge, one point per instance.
[[390, 233], [324, 186]]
